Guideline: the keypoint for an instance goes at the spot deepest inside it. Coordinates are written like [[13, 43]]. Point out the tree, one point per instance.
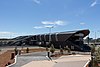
[[27, 50], [52, 49], [93, 56], [98, 55], [98, 40], [61, 50], [16, 51], [89, 40], [66, 48], [92, 49], [69, 50], [47, 48]]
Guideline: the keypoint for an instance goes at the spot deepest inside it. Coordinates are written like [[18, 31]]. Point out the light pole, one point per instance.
[[48, 53], [95, 36], [49, 27]]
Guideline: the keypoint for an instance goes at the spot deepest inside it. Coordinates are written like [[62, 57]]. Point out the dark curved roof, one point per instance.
[[85, 32], [58, 36], [61, 36]]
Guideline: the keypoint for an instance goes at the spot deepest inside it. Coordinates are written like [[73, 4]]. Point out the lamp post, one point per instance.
[[49, 27], [95, 35], [95, 38]]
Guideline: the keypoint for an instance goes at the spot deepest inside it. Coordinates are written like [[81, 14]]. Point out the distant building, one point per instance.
[[4, 42]]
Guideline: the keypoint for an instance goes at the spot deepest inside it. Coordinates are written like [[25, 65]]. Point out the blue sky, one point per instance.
[[29, 17]]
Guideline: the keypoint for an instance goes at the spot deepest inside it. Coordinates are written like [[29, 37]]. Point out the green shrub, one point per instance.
[[27, 50], [61, 51], [69, 50], [16, 51], [52, 49], [47, 49]]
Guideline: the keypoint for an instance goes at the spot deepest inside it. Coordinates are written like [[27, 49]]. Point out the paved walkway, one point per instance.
[[64, 61], [72, 61], [26, 58]]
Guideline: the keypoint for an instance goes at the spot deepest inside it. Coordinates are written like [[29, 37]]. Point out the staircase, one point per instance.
[[76, 47]]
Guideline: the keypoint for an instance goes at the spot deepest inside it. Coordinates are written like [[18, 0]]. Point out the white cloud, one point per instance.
[[36, 1], [59, 22], [45, 26], [82, 23], [47, 22], [38, 27], [50, 24], [6, 33], [94, 3]]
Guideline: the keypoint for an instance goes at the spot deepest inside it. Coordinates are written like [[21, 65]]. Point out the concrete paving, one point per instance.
[[72, 61], [64, 61], [70, 64], [26, 58], [39, 59]]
